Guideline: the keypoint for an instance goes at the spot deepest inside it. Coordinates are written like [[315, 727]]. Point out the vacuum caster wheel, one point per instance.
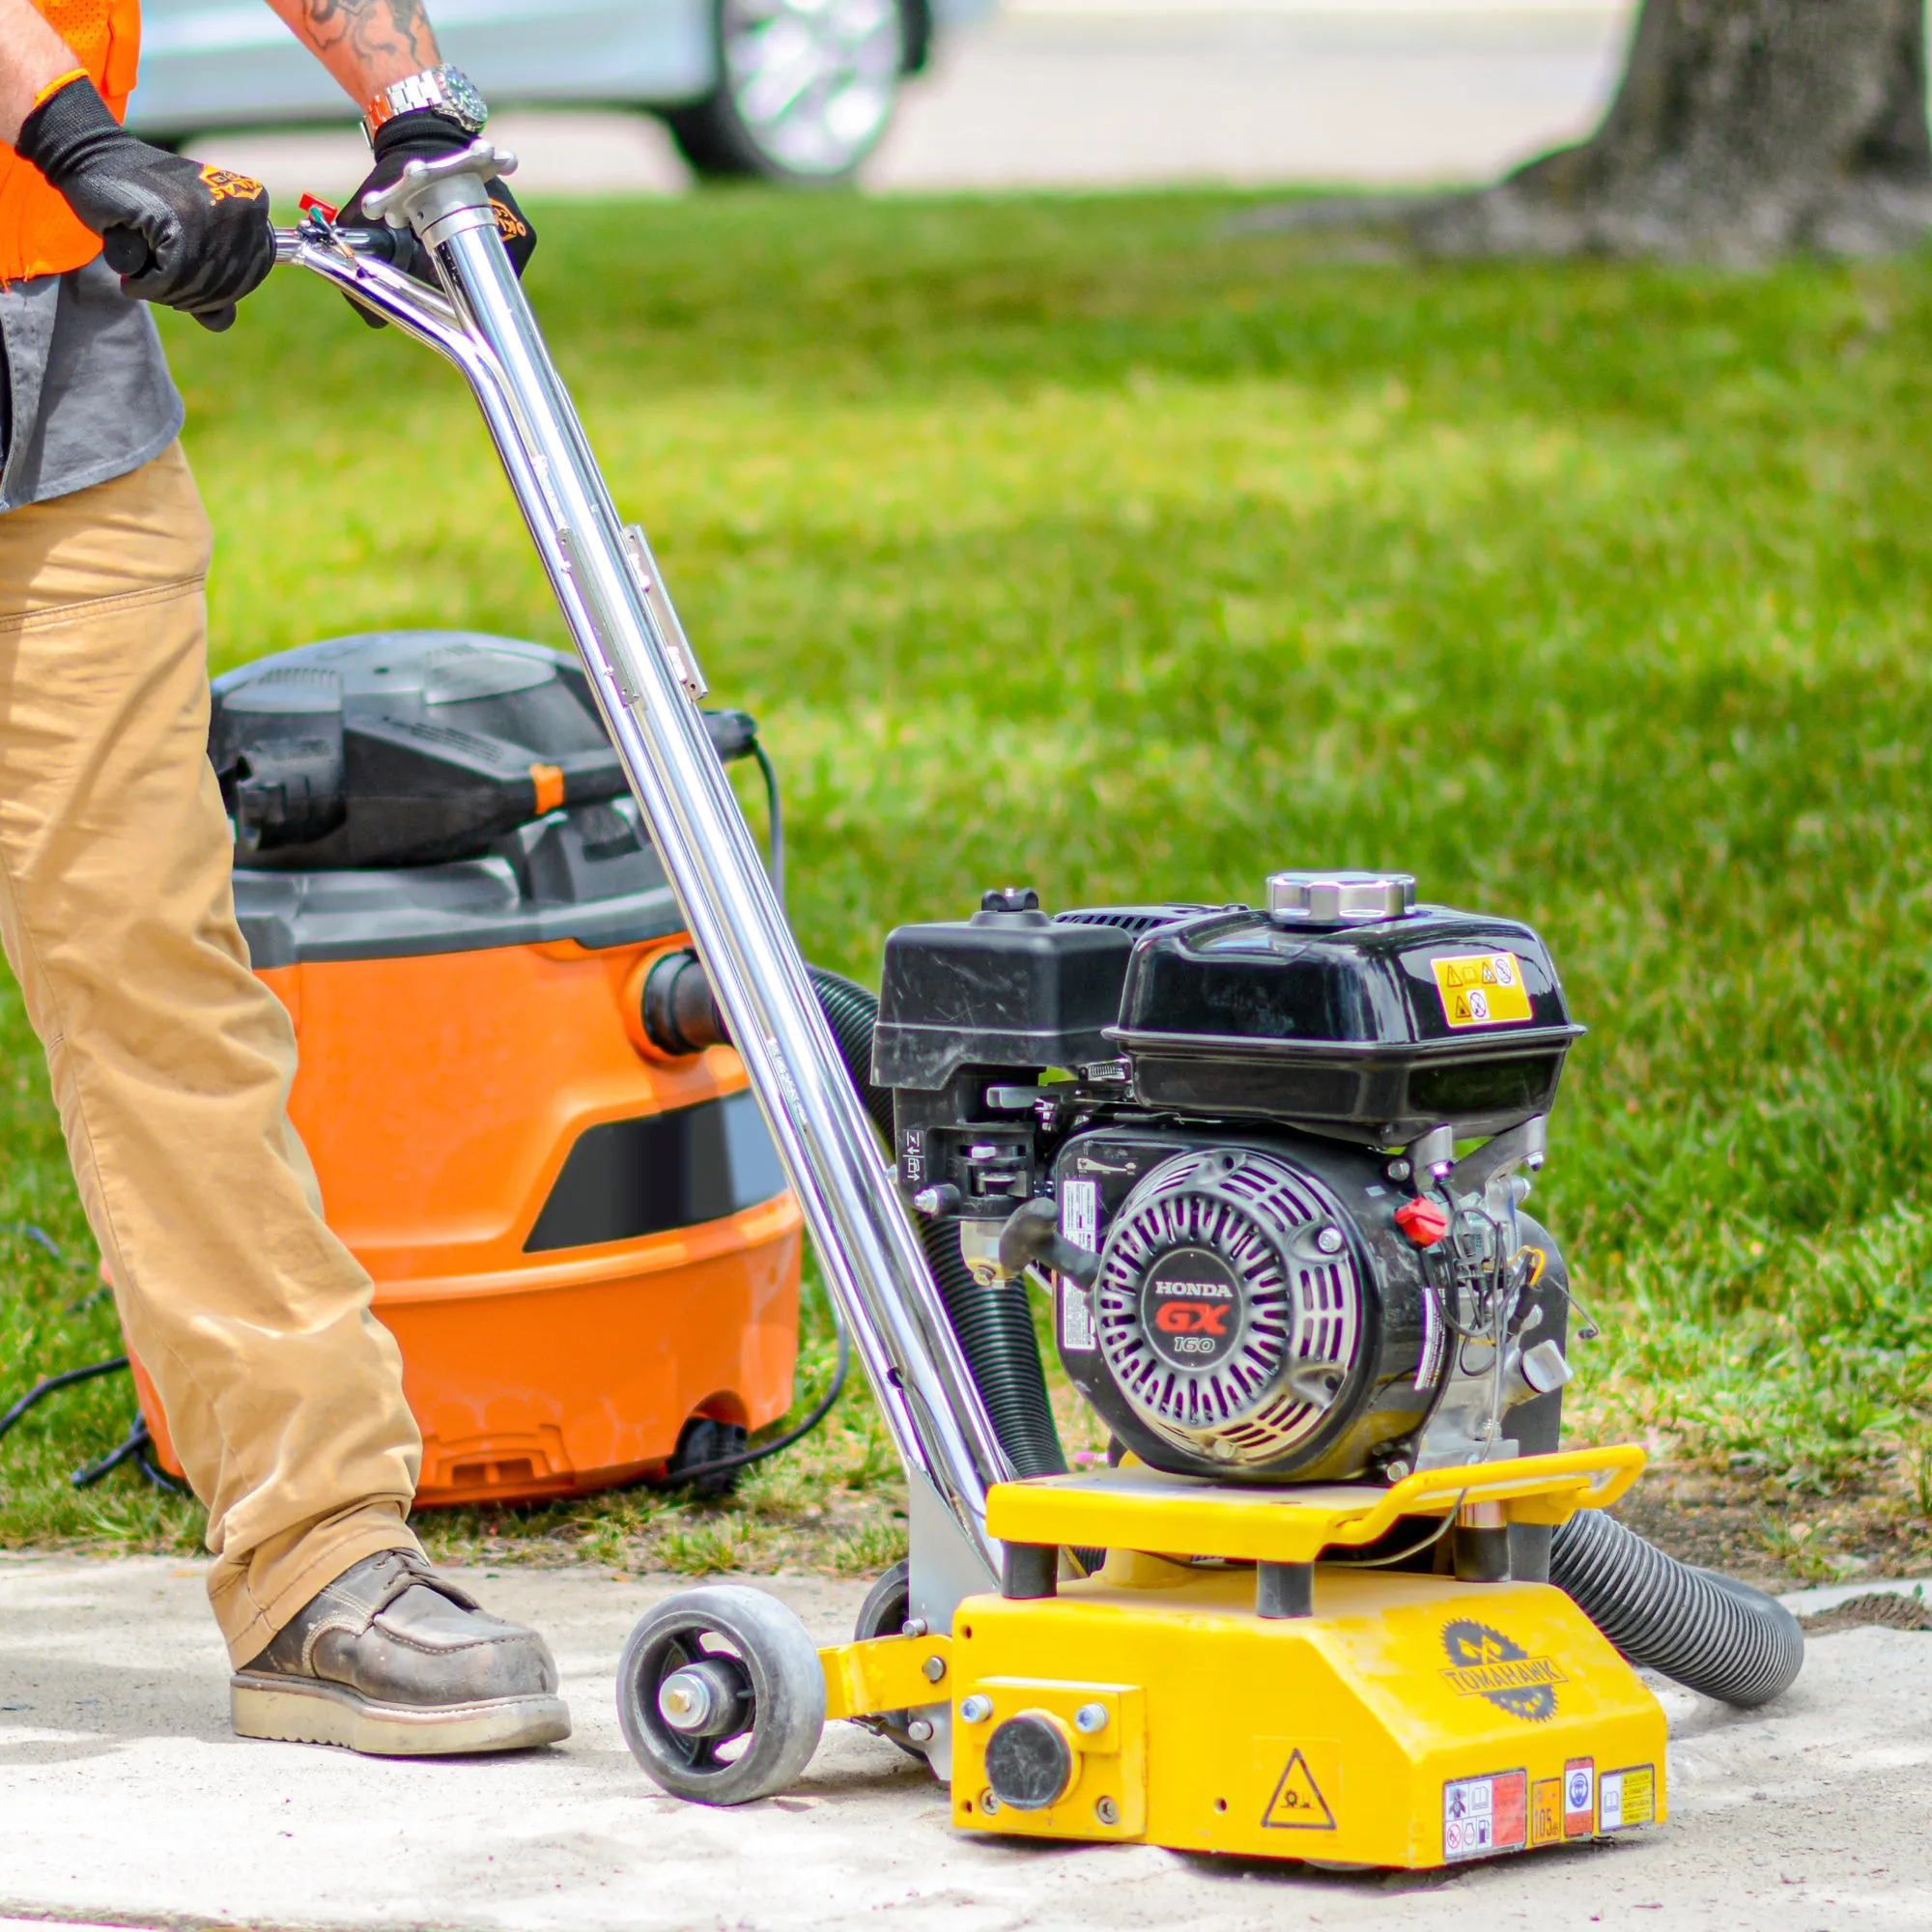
[[720, 1695]]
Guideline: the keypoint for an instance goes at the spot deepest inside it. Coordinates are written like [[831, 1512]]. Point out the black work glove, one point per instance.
[[425, 135], [190, 237]]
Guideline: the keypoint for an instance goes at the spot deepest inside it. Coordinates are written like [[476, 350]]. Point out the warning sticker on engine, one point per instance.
[[1482, 1815], [1077, 1333], [1080, 1223], [1627, 1798], [1483, 989]]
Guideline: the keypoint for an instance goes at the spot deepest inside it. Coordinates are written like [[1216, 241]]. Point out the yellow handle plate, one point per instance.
[[1147, 1509]]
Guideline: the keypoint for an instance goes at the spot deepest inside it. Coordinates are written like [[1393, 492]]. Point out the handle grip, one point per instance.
[[127, 252]]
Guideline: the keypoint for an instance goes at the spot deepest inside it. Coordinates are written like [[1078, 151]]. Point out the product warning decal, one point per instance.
[[1628, 1798], [1080, 1223], [1298, 1804], [1546, 1811], [1482, 990], [1579, 1798], [1482, 1815]]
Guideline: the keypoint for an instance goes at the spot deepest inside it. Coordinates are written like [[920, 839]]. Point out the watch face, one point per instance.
[[467, 106]]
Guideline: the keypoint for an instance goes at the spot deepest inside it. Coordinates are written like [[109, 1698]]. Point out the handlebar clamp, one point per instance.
[[400, 203]]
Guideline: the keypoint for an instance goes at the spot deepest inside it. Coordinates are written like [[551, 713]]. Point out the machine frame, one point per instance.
[[1210, 1687]]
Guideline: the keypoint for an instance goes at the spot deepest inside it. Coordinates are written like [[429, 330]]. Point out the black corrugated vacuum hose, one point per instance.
[[1708, 1632], [994, 1323]]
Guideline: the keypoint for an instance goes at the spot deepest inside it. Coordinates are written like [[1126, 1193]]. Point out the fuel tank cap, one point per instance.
[[1339, 898]]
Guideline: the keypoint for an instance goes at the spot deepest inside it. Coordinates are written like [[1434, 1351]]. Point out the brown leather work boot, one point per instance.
[[397, 1661]]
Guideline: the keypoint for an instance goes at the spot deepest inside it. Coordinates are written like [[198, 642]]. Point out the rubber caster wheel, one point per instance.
[[884, 1613], [720, 1695], [702, 1440]]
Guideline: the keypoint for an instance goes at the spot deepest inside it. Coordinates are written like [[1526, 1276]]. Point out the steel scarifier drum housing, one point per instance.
[[580, 1242]]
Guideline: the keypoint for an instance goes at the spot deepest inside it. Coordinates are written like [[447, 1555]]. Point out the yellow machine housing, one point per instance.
[[1410, 1721]]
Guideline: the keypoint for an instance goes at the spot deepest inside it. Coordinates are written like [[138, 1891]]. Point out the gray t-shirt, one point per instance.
[[87, 394]]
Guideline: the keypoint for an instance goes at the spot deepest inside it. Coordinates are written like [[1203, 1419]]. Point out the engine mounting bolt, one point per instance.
[[934, 1669], [1396, 1470], [1331, 1240], [1108, 1811], [976, 1709], [920, 1730], [1091, 1717], [1399, 1170], [914, 1626]]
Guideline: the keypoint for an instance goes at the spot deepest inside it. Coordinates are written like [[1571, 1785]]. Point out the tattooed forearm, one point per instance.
[[375, 30], [364, 44]]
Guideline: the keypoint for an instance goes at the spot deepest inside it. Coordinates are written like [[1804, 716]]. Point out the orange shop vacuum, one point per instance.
[[581, 1238]]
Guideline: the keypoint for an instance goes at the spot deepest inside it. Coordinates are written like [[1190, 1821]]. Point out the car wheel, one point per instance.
[[807, 89]]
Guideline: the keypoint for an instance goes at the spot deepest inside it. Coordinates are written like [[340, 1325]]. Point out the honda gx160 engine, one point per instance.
[[1227, 1138]]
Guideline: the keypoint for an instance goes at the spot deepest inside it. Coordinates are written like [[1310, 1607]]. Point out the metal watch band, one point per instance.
[[446, 89]]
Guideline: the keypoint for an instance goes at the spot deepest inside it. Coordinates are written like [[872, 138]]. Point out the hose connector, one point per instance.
[[680, 1015]]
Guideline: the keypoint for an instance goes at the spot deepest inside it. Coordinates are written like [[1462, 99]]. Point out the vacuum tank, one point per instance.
[[584, 1243]]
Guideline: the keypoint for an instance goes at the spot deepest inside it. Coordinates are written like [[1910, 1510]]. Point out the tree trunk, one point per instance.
[[1743, 130]]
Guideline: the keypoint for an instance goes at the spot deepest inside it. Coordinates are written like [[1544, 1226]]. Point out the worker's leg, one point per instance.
[[171, 1061]]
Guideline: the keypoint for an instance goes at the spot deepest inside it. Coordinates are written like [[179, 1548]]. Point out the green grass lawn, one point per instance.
[[1077, 542]]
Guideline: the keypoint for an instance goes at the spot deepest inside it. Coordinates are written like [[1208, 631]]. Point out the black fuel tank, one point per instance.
[[1376, 1030], [1345, 1010]]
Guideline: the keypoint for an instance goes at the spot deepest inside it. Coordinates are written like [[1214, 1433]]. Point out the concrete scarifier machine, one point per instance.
[[1339, 1594]]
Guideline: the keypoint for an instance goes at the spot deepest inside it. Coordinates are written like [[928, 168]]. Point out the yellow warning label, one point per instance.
[[1546, 1811], [1628, 1798], [1482, 990], [1298, 1804]]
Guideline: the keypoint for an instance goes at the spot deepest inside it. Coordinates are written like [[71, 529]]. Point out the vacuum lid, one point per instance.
[[403, 748]]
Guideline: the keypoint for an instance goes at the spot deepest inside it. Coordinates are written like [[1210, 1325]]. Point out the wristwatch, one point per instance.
[[446, 90]]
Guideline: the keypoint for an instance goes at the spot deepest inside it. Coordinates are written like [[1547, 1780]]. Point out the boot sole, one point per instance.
[[313, 1713]]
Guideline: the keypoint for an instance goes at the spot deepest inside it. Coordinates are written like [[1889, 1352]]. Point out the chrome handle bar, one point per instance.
[[646, 682]]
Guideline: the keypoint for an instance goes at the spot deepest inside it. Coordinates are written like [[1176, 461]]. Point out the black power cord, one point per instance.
[[775, 844], [41, 1390], [734, 735], [135, 1449]]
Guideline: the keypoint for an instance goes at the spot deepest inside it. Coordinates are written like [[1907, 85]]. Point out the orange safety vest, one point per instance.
[[40, 234]]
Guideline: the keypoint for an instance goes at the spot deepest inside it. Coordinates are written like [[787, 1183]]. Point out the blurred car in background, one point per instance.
[[797, 91]]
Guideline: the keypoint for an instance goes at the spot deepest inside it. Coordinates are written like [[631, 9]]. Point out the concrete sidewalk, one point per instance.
[[123, 1797]]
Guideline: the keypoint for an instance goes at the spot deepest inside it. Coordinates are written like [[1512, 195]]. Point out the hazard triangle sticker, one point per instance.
[[1298, 1804]]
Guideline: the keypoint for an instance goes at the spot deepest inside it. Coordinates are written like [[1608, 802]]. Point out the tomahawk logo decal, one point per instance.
[[1486, 1663]]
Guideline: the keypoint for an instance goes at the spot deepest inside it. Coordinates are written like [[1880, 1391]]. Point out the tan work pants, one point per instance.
[[171, 1061]]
